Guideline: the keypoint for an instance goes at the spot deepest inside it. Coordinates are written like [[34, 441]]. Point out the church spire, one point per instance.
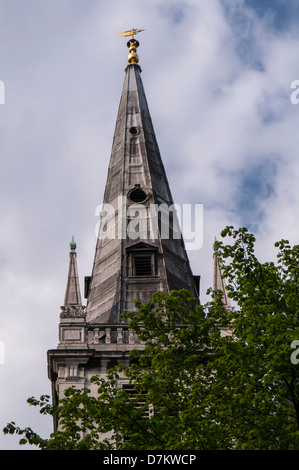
[[132, 260], [135, 255]]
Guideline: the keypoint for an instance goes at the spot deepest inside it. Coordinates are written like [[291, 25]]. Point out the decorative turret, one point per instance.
[[219, 281], [72, 300]]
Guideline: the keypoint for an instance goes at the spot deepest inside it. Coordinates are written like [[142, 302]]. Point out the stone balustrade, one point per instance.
[[111, 334]]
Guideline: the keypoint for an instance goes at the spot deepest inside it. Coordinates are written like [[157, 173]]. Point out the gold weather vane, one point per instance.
[[133, 57], [132, 33]]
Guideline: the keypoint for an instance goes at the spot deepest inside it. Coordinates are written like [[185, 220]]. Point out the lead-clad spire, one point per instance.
[[132, 260]]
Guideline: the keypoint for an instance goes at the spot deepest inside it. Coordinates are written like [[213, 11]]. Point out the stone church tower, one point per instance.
[[138, 250]]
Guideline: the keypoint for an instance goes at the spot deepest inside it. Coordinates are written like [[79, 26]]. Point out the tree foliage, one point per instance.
[[208, 377]]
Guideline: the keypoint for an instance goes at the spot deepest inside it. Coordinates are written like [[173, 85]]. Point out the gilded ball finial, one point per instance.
[[133, 57]]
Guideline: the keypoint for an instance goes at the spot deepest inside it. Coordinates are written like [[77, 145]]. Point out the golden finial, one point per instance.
[[133, 57]]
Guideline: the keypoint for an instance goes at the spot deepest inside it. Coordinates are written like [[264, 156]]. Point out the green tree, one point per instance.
[[262, 388], [208, 378]]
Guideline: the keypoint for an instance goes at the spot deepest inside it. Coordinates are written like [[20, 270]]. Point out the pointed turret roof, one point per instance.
[[219, 281], [123, 268], [72, 300]]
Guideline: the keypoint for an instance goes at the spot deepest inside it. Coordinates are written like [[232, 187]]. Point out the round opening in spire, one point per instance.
[[137, 195], [134, 130]]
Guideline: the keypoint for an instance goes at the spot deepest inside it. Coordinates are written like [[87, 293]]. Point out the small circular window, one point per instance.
[[137, 195], [134, 130]]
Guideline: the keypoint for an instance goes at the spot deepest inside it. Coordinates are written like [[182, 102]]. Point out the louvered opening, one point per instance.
[[134, 395], [143, 265], [139, 401]]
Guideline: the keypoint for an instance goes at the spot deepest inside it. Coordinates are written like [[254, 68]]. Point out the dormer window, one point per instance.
[[142, 260]]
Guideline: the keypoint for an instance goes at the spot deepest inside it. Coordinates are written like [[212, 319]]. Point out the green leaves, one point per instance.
[[265, 323]]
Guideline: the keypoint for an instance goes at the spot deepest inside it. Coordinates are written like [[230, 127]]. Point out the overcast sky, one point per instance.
[[217, 75]]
